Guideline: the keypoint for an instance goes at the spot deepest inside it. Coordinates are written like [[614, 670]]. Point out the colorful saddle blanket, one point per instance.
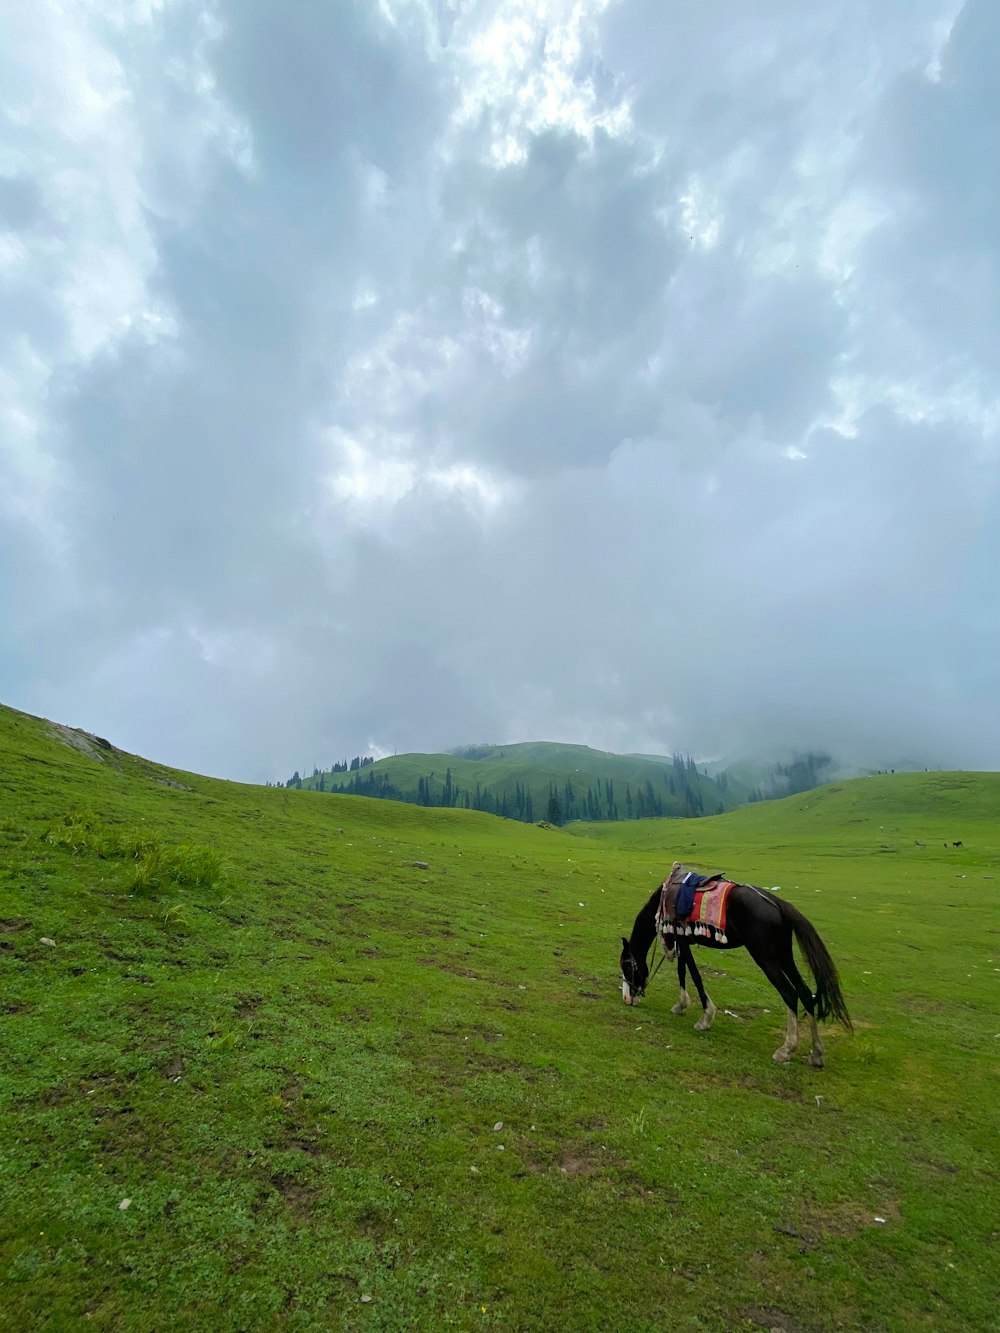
[[692, 904]]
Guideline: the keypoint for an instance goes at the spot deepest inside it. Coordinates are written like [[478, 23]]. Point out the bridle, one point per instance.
[[637, 992]]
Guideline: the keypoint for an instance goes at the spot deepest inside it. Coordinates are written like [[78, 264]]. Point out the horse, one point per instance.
[[764, 925]]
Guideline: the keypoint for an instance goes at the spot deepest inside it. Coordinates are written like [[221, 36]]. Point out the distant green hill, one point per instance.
[[542, 780]]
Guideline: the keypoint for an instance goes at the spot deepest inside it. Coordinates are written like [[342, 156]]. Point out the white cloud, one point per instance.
[[436, 371]]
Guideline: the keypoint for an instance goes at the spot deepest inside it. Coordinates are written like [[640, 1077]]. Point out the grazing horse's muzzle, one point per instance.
[[634, 975]]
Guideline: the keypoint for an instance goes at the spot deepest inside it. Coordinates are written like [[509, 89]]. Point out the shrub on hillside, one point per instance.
[[186, 865], [153, 866], [81, 831]]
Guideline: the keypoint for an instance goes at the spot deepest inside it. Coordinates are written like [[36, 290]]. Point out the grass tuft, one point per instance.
[[154, 867], [158, 869]]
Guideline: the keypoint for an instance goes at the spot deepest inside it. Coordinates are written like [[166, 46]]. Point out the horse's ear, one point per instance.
[[625, 944]]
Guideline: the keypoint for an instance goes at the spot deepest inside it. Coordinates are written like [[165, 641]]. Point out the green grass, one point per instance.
[[288, 1047]]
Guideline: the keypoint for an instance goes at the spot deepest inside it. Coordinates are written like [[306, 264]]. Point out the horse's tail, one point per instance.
[[830, 1001]]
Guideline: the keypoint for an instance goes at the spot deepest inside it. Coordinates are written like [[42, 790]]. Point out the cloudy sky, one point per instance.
[[396, 374]]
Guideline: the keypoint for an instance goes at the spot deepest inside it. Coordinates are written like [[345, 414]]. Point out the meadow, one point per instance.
[[273, 1059]]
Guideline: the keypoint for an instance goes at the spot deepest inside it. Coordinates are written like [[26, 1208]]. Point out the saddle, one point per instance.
[[692, 904], [678, 890]]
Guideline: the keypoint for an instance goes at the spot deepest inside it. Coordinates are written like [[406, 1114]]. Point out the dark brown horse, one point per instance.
[[764, 925]]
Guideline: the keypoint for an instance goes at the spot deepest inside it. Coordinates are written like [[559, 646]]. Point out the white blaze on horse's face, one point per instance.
[[626, 993]]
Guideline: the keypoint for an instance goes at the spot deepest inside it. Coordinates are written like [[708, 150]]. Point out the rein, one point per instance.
[[659, 964]]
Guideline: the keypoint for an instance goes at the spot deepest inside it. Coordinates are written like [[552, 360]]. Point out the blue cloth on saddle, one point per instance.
[[689, 886]]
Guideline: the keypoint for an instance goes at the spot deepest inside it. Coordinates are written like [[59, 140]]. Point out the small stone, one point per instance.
[[498, 1127], [124, 1205], [49, 944], [366, 1300], [420, 865]]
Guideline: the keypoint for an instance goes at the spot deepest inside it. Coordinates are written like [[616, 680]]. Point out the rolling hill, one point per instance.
[[521, 781], [272, 1058]]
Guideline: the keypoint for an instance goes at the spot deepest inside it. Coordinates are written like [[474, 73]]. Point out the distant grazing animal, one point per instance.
[[956, 844], [763, 924]]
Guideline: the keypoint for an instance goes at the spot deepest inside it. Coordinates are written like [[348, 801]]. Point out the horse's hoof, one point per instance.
[[678, 1008], [782, 1056], [816, 1060]]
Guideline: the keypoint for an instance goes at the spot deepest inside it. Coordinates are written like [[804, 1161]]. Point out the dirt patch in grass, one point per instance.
[[297, 1196], [774, 1320], [452, 1069], [498, 1064], [115, 956], [311, 1147], [374, 1225], [922, 1004], [248, 1006], [782, 1091], [57, 1096], [579, 1162], [846, 1218], [945, 1168], [576, 1159], [748, 1012], [10, 925], [587, 977], [174, 1067], [453, 968]]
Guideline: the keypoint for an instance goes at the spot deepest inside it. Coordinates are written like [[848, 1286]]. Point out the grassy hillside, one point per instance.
[[518, 780], [259, 1068], [883, 814]]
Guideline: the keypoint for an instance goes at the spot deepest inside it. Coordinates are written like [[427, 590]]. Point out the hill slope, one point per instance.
[[261, 1067], [519, 781]]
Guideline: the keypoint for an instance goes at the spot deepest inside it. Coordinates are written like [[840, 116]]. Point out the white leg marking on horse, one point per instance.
[[682, 1003], [785, 1052], [816, 1055], [705, 1022]]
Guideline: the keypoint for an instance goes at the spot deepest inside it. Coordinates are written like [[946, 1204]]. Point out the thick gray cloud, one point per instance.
[[393, 376]]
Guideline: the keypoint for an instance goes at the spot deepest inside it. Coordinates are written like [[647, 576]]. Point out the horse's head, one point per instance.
[[635, 974]]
